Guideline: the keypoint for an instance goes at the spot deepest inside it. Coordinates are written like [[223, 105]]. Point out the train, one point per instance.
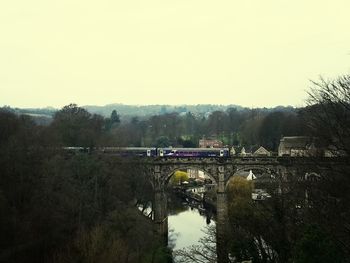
[[193, 152], [154, 152]]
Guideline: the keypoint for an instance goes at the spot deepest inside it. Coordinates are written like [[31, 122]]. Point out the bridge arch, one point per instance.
[[207, 172], [251, 167], [246, 168]]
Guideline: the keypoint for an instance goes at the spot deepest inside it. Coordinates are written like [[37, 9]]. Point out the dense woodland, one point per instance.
[[56, 207], [249, 127], [179, 126]]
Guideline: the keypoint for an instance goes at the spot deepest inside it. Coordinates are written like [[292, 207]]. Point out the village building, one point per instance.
[[196, 174], [243, 152], [249, 151], [207, 143], [251, 176], [193, 173], [299, 146], [261, 151], [240, 151]]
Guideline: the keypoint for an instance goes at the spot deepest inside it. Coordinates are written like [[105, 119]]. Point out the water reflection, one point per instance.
[[265, 222], [188, 224], [187, 227]]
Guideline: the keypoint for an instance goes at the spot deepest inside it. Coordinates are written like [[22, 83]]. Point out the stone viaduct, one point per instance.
[[160, 169], [220, 170]]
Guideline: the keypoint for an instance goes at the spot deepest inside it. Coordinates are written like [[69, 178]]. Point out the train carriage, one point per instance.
[[193, 152], [155, 152], [131, 151]]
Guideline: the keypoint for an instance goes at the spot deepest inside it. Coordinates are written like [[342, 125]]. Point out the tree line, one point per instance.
[[245, 127], [306, 219], [56, 207]]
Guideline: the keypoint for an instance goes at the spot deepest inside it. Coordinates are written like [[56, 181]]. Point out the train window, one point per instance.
[[161, 153], [221, 153], [148, 152]]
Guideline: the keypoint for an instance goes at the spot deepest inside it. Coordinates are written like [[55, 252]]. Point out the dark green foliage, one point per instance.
[[245, 127], [113, 121], [286, 227], [74, 126], [315, 246], [232, 125], [8, 125], [162, 141], [190, 142], [278, 124], [56, 207], [114, 117]]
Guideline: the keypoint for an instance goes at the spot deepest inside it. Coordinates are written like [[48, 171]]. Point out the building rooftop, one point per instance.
[[297, 141]]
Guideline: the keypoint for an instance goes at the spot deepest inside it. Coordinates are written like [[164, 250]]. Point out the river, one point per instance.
[[187, 224]]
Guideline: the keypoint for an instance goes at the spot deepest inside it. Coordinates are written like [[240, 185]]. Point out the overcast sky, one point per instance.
[[251, 52]]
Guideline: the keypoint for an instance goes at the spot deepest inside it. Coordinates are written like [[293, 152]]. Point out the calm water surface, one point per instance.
[[186, 226]]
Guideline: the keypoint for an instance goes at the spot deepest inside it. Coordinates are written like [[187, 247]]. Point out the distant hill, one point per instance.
[[44, 115], [149, 110]]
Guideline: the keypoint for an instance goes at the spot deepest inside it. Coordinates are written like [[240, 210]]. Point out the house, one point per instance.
[[243, 152], [193, 173], [196, 174], [299, 146], [240, 151], [251, 176], [232, 151], [261, 151], [207, 143]]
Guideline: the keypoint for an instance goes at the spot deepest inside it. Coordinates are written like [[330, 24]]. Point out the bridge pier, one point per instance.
[[222, 215], [160, 206], [160, 215], [160, 169]]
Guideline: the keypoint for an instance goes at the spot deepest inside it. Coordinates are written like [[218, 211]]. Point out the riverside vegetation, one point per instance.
[[80, 208]]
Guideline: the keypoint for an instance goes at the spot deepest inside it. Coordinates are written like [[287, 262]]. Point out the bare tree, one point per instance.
[[328, 115], [204, 252], [328, 112]]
